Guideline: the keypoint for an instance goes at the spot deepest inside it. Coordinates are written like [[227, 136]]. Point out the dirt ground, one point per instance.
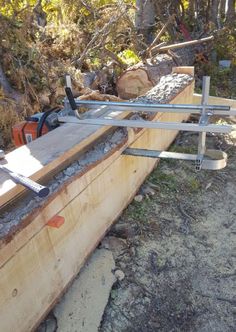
[[176, 244]]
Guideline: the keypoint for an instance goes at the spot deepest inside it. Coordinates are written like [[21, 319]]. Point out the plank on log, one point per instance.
[[38, 158], [43, 260], [48, 153], [53, 205]]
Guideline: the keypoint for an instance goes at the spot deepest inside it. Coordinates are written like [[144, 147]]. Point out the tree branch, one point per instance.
[[98, 35]]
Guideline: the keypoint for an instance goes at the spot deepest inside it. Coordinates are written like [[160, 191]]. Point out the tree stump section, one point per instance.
[[138, 79], [134, 82]]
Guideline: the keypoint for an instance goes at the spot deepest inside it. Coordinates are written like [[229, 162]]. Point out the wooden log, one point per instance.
[[38, 158], [39, 261], [134, 82], [138, 79]]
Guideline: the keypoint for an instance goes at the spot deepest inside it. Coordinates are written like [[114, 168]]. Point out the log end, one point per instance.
[[133, 83]]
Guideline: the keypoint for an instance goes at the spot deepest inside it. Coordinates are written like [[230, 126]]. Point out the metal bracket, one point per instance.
[[203, 121], [204, 159], [148, 124], [212, 159]]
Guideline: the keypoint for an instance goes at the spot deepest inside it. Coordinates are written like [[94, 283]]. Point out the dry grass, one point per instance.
[[8, 118]]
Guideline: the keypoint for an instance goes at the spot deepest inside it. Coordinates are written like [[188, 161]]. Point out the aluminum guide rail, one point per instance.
[[156, 107], [204, 159], [159, 154], [210, 112], [149, 124], [212, 160], [203, 121]]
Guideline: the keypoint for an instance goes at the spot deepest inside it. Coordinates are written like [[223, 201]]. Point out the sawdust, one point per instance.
[[168, 87], [165, 90], [18, 212]]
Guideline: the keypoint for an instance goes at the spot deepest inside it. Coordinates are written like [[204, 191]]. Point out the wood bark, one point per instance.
[[191, 10], [214, 12], [222, 9], [138, 79], [230, 15], [7, 88], [145, 18]]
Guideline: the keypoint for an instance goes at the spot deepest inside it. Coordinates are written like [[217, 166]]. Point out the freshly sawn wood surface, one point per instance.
[[39, 261]]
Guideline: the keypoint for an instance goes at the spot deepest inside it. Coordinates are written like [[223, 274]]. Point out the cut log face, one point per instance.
[[133, 83], [138, 79]]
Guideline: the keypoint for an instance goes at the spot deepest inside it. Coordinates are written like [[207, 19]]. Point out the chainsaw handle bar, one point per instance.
[[71, 98], [37, 188]]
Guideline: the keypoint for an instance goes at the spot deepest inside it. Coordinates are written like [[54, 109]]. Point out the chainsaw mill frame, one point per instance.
[[204, 159]]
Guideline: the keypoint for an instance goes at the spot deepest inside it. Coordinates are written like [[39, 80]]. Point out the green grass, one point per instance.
[[183, 149], [165, 181], [193, 184], [138, 211]]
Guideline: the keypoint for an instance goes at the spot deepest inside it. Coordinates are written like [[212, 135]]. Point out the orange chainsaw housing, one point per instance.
[[25, 132]]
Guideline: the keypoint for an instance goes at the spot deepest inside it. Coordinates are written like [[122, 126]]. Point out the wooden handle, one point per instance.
[[71, 98]]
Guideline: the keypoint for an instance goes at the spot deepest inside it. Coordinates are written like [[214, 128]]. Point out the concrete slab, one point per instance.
[[82, 307]]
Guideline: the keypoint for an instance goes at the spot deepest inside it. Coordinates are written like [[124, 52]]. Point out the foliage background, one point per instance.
[[43, 40]]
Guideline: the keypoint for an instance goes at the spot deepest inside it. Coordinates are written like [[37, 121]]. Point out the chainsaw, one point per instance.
[[98, 114], [35, 126]]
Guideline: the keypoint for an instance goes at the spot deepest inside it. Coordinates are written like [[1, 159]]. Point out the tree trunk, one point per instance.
[[222, 10], [145, 19], [202, 6], [208, 11], [214, 12], [191, 10], [40, 15], [230, 16]]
